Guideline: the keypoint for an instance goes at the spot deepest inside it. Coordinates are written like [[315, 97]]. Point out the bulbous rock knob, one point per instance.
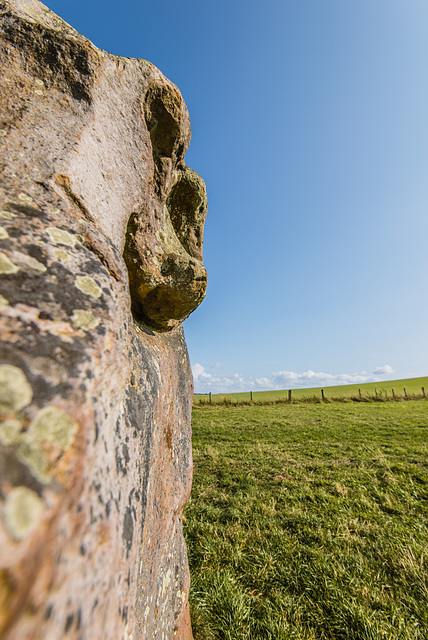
[[163, 248]]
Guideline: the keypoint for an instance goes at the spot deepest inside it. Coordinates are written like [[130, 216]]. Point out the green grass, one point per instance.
[[309, 522], [413, 386]]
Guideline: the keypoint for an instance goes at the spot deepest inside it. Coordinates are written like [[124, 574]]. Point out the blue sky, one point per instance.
[[310, 129]]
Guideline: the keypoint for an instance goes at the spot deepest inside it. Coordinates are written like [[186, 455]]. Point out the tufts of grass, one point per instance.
[[309, 522]]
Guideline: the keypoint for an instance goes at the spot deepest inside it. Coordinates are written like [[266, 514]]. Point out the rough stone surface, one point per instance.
[[101, 229]]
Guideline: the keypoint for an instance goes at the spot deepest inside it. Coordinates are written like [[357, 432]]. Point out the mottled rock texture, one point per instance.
[[101, 231]]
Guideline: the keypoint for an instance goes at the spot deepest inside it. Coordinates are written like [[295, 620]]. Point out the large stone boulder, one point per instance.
[[101, 227]]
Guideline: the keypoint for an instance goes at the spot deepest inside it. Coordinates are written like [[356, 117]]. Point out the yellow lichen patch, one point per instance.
[[25, 261], [53, 425], [39, 82], [39, 92], [50, 434], [3, 233], [3, 133], [82, 319], [15, 390], [6, 266], [3, 302], [54, 211], [87, 285], [22, 512], [61, 254], [31, 454], [59, 236], [25, 198], [7, 215], [10, 431]]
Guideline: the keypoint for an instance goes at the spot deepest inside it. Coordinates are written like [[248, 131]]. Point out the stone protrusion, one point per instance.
[[163, 248]]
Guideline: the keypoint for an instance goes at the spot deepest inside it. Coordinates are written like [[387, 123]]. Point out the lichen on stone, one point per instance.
[[15, 390], [22, 512], [7, 215], [3, 233], [85, 320], [24, 197], [54, 425], [7, 267], [26, 261], [32, 455], [60, 236], [10, 431], [4, 303], [62, 255], [88, 286], [50, 428]]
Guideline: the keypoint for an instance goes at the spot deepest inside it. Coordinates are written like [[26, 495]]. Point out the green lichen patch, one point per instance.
[[53, 425], [3, 233], [7, 267], [88, 286], [4, 303], [50, 434], [10, 432], [7, 215], [32, 455], [22, 512], [85, 320], [15, 390], [60, 236], [24, 197], [62, 255], [3, 133]]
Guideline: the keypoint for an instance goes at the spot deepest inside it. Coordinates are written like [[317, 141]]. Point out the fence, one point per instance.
[[322, 396]]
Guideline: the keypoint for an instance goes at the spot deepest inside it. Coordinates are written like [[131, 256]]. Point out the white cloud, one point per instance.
[[234, 382], [197, 370], [386, 369], [316, 379]]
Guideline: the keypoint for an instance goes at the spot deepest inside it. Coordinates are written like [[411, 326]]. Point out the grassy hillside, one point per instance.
[[309, 522], [413, 386]]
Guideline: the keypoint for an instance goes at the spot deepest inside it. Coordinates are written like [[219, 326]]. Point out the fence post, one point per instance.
[[322, 394], [393, 394], [210, 398], [251, 396], [405, 393], [359, 393], [376, 392], [423, 391], [289, 395]]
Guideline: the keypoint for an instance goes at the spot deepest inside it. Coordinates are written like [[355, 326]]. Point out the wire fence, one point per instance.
[[321, 395]]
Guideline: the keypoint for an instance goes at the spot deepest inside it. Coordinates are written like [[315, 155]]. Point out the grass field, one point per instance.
[[309, 522], [413, 386]]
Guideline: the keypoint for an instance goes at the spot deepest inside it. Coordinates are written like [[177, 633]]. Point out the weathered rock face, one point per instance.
[[101, 229]]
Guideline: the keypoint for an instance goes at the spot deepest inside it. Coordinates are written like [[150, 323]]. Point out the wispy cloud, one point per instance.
[[234, 382]]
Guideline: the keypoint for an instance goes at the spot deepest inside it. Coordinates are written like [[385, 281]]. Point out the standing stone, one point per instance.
[[101, 227]]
